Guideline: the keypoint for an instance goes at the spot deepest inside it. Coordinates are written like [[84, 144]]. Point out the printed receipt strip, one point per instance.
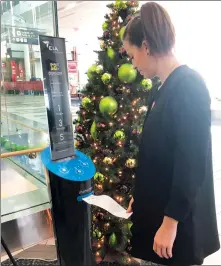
[[107, 203]]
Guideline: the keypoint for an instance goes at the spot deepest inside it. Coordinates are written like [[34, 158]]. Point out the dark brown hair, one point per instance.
[[154, 25]]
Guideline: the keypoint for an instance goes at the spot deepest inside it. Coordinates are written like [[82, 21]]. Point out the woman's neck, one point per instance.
[[165, 66]]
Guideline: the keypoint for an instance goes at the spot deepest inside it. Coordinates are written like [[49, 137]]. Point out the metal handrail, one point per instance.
[[23, 152]]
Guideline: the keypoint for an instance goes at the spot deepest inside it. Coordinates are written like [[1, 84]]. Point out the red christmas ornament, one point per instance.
[[134, 132], [101, 125], [79, 129], [133, 3], [122, 52], [106, 34]]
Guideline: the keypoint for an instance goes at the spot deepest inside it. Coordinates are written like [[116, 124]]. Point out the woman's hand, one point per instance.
[[129, 210], [165, 237]]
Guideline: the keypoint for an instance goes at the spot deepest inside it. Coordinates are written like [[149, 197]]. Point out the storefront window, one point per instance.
[[23, 114]]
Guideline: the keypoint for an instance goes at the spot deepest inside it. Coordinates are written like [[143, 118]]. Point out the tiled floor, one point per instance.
[[48, 242], [214, 259]]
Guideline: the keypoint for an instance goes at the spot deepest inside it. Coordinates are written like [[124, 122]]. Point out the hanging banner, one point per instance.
[[57, 96]]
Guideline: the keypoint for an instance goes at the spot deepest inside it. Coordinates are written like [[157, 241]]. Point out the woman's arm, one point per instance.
[[191, 120]]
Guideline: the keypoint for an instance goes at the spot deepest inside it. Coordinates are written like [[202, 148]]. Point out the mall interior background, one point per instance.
[[24, 194]]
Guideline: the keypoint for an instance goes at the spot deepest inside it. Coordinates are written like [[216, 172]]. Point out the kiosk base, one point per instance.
[[72, 223], [69, 181]]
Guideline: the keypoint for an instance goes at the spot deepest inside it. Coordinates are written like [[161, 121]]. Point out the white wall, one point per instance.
[[198, 37], [88, 18], [198, 30]]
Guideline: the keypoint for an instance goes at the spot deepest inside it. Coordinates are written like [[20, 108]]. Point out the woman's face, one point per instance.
[[143, 62]]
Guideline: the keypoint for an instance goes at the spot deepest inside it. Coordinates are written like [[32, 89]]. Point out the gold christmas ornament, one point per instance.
[[142, 109], [108, 160], [131, 163], [102, 45]]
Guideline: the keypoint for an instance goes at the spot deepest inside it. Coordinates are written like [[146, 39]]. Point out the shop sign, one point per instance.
[[24, 36]]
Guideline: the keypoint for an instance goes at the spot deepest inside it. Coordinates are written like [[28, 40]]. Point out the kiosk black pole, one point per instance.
[[69, 173]]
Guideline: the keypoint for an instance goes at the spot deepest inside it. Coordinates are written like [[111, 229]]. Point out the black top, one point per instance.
[[174, 175]]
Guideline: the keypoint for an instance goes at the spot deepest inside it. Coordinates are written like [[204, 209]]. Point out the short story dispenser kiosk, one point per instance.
[[69, 172]]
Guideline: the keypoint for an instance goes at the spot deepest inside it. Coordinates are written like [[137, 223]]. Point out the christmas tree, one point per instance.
[[109, 125]]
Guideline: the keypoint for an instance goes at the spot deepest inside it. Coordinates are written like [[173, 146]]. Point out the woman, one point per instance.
[[174, 219]]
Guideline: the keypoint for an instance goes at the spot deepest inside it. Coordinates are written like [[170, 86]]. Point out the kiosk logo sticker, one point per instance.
[[50, 47], [54, 66]]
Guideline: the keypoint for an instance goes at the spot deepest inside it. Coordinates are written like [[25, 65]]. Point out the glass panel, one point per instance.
[[27, 195], [23, 113]]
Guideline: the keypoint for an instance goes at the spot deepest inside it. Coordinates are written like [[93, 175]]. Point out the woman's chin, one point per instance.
[[146, 75]]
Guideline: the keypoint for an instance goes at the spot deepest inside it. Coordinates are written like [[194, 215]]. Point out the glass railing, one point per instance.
[[21, 192], [21, 131], [23, 135]]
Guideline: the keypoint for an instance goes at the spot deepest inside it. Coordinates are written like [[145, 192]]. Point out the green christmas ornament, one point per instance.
[[120, 5], [105, 26], [91, 71], [99, 69], [18, 147], [24, 147], [108, 105], [85, 102], [99, 234], [146, 83], [119, 135], [106, 77], [113, 240], [77, 121], [94, 130], [127, 73], [7, 145], [13, 147], [3, 140], [111, 53], [129, 225], [121, 33], [100, 177], [94, 234]]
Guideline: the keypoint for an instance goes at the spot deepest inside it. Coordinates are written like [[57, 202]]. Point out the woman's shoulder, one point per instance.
[[189, 82]]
